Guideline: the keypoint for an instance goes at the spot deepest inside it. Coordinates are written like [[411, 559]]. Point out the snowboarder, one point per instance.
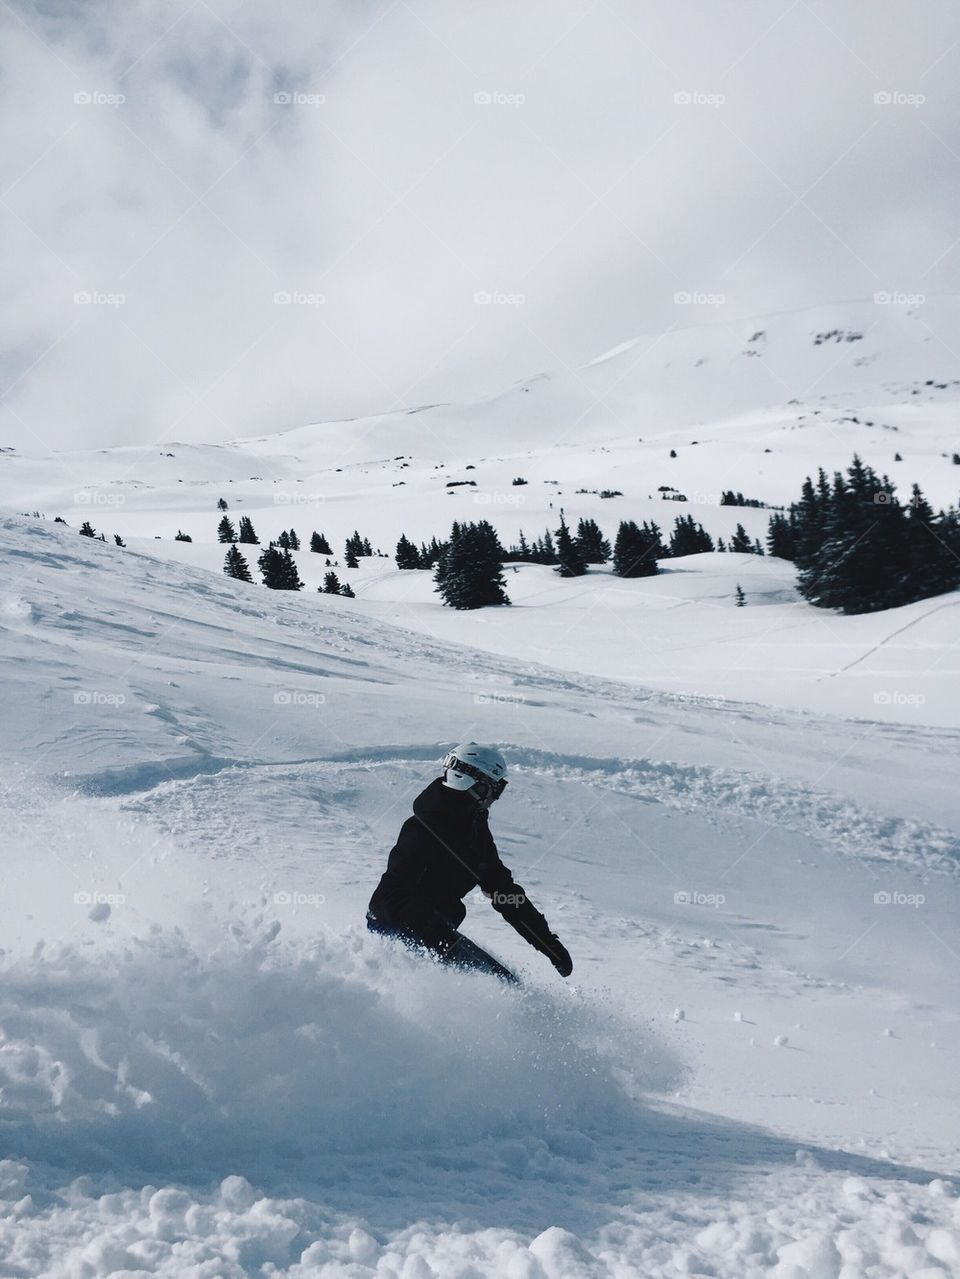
[[442, 853]]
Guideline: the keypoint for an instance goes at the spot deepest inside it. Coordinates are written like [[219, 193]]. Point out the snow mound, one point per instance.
[[162, 1056]]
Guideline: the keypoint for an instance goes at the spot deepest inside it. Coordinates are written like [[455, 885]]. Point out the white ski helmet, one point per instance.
[[471, 766]]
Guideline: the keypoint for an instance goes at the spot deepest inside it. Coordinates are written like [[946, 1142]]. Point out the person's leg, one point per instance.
[[464, 953], [375, 925], [467, 954]]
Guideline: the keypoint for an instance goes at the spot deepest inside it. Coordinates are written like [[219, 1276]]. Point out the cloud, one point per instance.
[[175, 170]]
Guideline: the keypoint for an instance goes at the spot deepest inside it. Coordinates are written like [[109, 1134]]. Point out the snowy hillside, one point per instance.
[[209, 1068], [752, 406]]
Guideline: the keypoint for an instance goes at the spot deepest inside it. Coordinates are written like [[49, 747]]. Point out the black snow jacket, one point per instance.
[[442, 853]]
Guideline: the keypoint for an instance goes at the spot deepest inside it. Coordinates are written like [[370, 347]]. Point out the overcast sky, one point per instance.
[[172, 170]]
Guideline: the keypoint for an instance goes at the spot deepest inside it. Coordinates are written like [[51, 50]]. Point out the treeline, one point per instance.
[[856, 546], [468, 567]]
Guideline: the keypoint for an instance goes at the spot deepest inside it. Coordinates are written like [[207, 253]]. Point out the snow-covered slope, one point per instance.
[[746, 405], [209, 1068]]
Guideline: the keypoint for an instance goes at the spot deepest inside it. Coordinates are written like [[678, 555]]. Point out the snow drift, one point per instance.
[[161, 1056], [146, 1044]]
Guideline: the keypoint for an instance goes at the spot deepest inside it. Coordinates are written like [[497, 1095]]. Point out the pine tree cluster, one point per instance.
[[858, 549], [279, 570], [468, 573], [636, 549]]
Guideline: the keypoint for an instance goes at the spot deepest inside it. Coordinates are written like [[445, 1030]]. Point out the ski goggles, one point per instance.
[[488, 786]]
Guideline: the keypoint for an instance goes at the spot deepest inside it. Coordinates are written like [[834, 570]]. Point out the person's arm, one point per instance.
[[509, 899]]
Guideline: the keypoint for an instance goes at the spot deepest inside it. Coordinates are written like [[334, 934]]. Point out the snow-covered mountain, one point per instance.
[[742, 822], [752, 406]]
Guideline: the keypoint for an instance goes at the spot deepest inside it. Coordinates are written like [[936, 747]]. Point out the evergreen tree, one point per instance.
[[635, 550], [572, 561], [354, 548], [861, 562], [407, 554], [741, 541], [931, 564], [593, 546], [782, 536], [225, 530], [949, 530], [234, 565], [246, 532], [331, 584], [347, 591], [740, 597], [294, 540], [548, 552], [469, 574], [291, 577], [429, 555], [654, 536], [221, 505], [283, 541], [118, 540], [279, 570], [182, 537], [689, 538], [319, 544], [809, 518], [271, 567], [87, 529]]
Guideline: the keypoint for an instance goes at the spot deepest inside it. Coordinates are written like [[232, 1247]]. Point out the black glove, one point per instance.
[[559, 956]]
